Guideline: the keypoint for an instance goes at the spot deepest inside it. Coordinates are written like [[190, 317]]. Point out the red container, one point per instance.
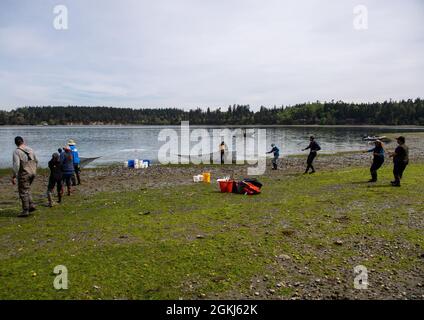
[[226, 186]]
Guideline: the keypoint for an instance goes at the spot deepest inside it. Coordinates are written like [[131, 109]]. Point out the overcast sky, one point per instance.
[[209, 53]]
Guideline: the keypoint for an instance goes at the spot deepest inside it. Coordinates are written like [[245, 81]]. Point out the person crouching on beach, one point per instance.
[[67, 165], [378, 159], [55, 178]]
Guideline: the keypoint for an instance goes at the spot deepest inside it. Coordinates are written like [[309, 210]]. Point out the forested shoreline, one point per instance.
[[404, 112]]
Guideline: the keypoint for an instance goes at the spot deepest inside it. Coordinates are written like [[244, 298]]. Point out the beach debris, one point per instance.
[[137, 164], [338, 242], [284, 257]]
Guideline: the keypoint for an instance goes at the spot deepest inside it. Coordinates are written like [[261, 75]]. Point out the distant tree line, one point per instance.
[[405, 112]]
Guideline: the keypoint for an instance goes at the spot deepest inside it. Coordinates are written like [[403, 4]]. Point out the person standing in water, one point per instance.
[[223, 149], [24, 170], [378, 159], [400, 160], [276, 153], [314, 147]]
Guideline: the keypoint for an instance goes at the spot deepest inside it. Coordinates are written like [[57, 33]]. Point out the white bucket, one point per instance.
[[198, 178]]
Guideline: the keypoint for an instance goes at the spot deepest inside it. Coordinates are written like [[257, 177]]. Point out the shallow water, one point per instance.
[[119, 143]]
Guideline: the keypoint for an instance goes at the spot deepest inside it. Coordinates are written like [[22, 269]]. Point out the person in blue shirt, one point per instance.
[[77, 168], [276, 153], [378, 159]]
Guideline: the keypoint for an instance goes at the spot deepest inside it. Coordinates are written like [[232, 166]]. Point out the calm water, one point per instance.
[[119, 143]]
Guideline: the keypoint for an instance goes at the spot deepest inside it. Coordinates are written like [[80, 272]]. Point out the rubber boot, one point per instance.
[[49, 197]]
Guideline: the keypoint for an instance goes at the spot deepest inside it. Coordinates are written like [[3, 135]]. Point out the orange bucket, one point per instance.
[[226, 186], [207, 177]]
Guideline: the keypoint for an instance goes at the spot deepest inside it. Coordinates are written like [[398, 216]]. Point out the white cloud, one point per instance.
[[191, 53]]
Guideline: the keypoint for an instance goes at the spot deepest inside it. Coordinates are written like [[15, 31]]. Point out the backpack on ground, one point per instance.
[[248, 187]]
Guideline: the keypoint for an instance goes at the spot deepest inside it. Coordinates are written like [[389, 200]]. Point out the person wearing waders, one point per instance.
[[222, 149], [77, 169], [55, 179], [24, 170], [276, 153], [378, 159], [400, 160], [314, 148]]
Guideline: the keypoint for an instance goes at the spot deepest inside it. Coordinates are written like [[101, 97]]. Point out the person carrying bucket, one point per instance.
[[276, 153]]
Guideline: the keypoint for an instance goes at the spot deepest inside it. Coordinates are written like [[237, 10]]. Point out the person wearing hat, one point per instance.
[[67, 165], [276, 153], [378, 159], [25, 164], [400, 160], [77, 168], [314, 147], [55, 178]]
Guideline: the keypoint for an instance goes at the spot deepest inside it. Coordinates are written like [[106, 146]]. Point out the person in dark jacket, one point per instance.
[[67, 163], [55, 178], [400, 160], [378, 159], [314, 148], [276, 153]]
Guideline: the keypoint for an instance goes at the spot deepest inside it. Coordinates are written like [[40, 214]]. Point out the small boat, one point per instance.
[[375, 138]]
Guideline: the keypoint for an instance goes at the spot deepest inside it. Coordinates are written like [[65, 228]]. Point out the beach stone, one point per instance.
[[284, 257]]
